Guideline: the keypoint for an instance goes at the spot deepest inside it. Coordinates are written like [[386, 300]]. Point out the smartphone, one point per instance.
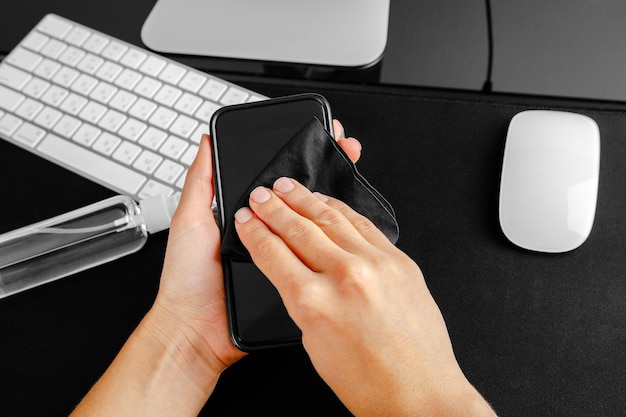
[[245, 137]]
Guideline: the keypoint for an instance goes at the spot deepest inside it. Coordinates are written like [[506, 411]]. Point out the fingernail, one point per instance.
[[243, 215], [323, 198], [284, 185], [260, 195]]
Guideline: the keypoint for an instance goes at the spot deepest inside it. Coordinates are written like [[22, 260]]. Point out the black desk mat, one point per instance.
[[537, 334]]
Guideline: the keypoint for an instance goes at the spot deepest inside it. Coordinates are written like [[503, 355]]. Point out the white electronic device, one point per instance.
[[549, 184], [344, 33], [118, 114]]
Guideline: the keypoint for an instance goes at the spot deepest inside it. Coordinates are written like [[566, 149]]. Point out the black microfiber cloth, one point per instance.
[[315, 159]]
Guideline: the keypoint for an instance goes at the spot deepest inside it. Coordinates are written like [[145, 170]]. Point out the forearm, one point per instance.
[[157, 372]]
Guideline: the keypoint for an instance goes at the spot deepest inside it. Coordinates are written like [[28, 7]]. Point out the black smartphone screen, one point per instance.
[[245, 139]]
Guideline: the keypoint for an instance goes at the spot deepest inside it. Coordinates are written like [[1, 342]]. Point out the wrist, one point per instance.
[[464, 401], [181, 351], [475, 405], [157, 372]]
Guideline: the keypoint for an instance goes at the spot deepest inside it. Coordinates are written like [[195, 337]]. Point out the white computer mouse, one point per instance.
[[549, 184]]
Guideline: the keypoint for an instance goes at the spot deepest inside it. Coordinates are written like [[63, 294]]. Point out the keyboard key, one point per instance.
[[9, 124], [192, 81], [90, 63], [47, 68], [188, 103], [133, 58], [29, 109], [71, 56], [48, 117], [29, 134], [205, 112], [106, 143], [77, 36], [73, 104], [109, 71], [183, 126], [147, 87], [92, 112], [53, 48], [213, 90], [36, 87], [168, 171], [163, 117], [66, 126], [103, 92], [173, 147], [167, 95], [35, 41], [128, 79], [153, 138], [147, 162], [95, 43], [152, 66], [66, 76], [54, 95], [91, 164], [84, 84], [114, 51], [9, 99], [142, 109], [196, 136], [54, 27], [127, 152], [112, 120], [122, 100], [24, 59], [189, 155], [13, 77], [86, 134], [234, 96], [132, 129], [172, 73]]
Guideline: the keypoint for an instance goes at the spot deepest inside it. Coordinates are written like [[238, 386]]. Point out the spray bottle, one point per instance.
[[75, 241]]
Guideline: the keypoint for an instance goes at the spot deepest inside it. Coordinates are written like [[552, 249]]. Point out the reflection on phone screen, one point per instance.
[[246, 141]]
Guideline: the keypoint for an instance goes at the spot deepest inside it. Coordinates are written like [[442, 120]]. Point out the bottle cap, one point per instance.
[[158, 211]]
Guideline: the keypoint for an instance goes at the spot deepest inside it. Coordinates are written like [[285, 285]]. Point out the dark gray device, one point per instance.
[[245, 137]]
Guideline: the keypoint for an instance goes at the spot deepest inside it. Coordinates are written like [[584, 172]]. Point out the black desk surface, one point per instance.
[[537, 334]]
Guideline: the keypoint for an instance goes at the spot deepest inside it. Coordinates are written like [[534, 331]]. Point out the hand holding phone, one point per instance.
[[295, 143]]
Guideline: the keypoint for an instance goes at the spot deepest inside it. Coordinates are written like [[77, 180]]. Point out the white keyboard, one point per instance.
[[120, 115]]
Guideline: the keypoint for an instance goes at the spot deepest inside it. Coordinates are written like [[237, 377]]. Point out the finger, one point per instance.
[[305, 238], [198, 191], [338, 129], [351, 147], [313, 206], [265, 248], [365, 227]]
